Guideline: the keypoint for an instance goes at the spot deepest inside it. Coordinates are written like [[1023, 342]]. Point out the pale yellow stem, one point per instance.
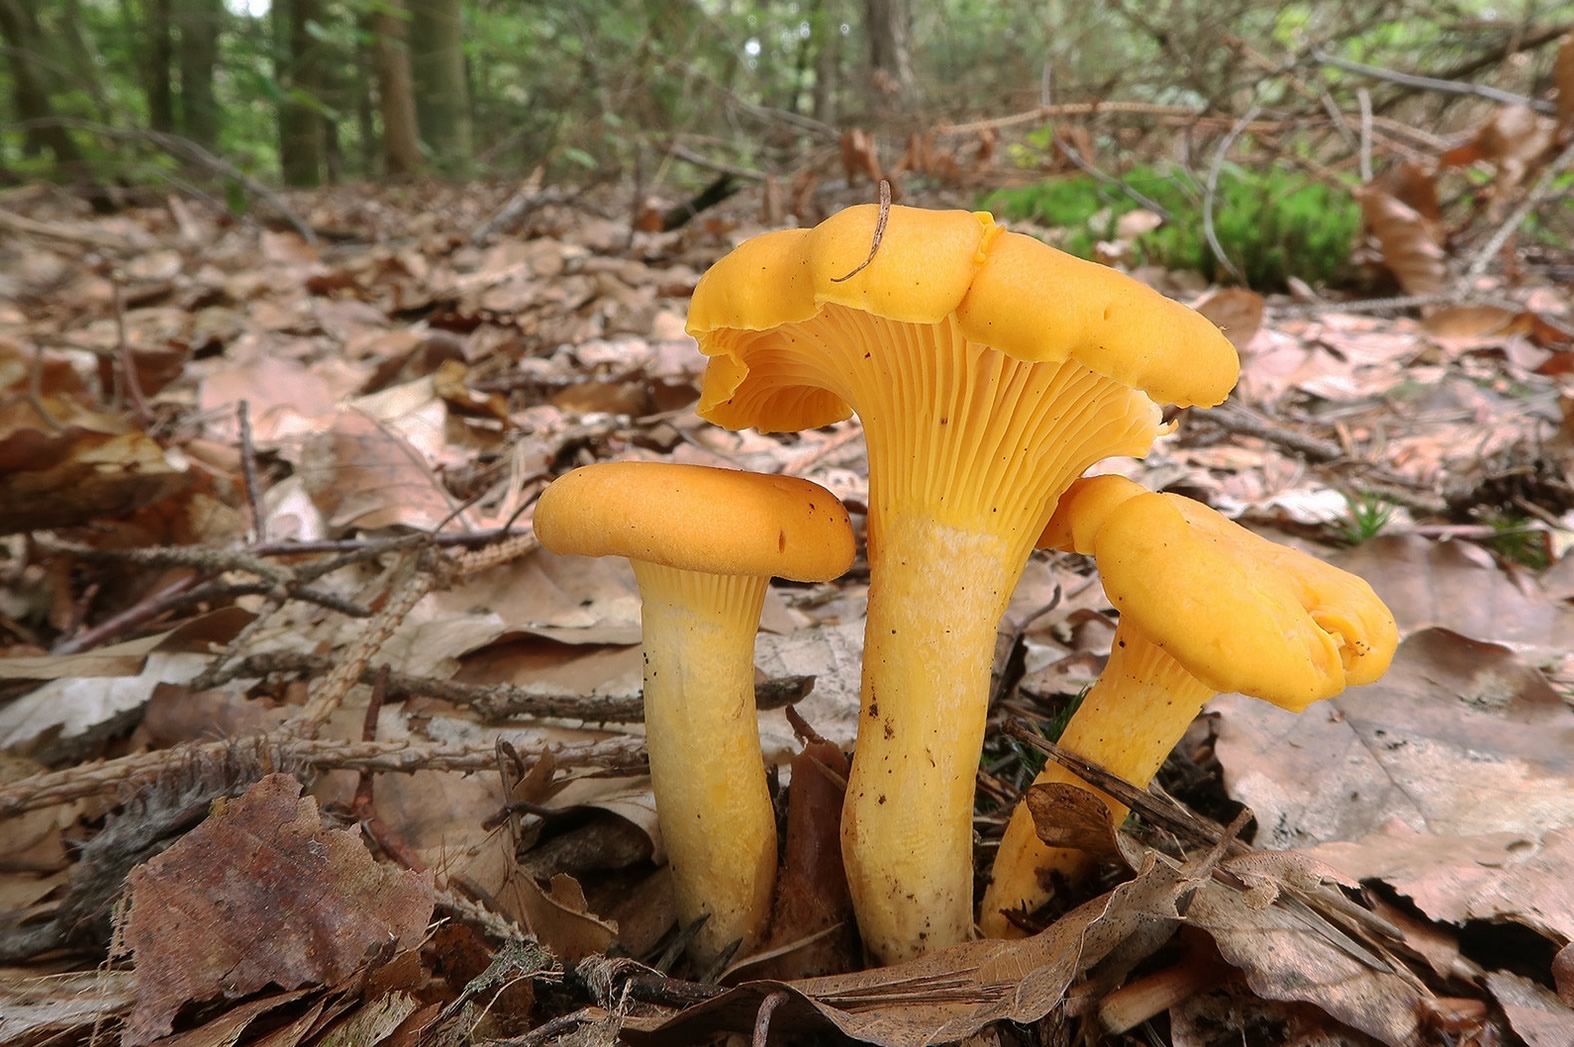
[[706, 768], [935, 599], [1132, 717]]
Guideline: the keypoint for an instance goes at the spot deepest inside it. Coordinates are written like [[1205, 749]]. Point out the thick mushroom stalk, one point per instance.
[[988, 371], [1206, 606], [704, 544], [706, 768]]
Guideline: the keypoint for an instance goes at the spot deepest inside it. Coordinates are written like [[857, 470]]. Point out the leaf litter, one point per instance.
[[433, 388]]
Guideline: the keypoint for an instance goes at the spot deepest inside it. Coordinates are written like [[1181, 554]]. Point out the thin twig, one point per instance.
[[494, 702], [762, 1018], [1213, 189], [55, 787], [248, 466], [1532, 200], [125, 360], [1365, 98], [1427, 83], [879, 233], [155, 603]]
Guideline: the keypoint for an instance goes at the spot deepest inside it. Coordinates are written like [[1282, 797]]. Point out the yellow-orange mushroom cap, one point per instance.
[[1205, 606], [697, 518], [1239, 612], [704, 544], [988, 371]]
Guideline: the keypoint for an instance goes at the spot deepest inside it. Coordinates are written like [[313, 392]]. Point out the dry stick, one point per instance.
[[1213, 189], [762, 1018], [248, 465], [1365, 98], [495, 702], [123, 355], [1428, 83], [413, 579], [1170, 816], [144, 610], [689, 156], [1533, 199], [879, 233], [56, 787], [21, 226]]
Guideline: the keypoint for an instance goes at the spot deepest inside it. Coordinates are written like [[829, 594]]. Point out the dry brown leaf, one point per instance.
[[1538, 1016], [1460, 738], [557, 918], [1458, 586], [1514, 139], [1496, 877], [365, 475], [953, 993], [1563, 973], [371, 1023], [1067, 816], [1410, 244], [227, 1028], [262, 868], [1237, 311], [1462, 327], [81, 466], [1221, 1020], [1287, 957]]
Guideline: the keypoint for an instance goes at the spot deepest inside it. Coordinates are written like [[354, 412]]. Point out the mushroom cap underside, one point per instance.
[[1239, 612], [1004, 290], [698, 518]]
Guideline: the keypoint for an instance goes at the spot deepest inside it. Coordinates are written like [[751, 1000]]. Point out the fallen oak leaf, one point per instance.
[[945, 995], [1538, 1016], [262, 868], [1287, 956]]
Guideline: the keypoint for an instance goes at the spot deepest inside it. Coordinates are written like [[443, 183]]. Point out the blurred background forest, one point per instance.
[[1121, 107]]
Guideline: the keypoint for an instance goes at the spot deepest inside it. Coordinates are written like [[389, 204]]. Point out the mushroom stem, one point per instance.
[[706, 768], [907, 829], [1129, 721]]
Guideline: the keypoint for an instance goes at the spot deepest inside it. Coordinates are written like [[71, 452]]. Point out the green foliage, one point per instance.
[[1273, 224], [1366, 514], [1517, 541]]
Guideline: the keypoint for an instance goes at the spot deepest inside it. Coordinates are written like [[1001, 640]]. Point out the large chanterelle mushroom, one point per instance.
[[1205, 606], [989, 371]]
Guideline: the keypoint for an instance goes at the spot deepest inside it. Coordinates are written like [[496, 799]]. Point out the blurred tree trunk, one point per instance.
[[396, 96], [441, 91], [827, 29], [161, 61], [199, 22], [85, 61], [30, 89], [299, 72], [888, 25]]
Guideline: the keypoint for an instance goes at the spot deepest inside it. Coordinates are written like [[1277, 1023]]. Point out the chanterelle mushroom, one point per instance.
[[704, 544], [989, 371], [1205, 606]]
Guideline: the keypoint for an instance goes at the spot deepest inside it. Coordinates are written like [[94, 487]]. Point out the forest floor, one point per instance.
[[266, 512]]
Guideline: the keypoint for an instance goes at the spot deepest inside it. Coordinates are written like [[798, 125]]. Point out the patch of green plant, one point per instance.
[[1273, 224], [1517, 541], [1366, 514]]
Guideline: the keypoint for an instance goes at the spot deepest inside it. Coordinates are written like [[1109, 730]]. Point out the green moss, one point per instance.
[[1272, 224]]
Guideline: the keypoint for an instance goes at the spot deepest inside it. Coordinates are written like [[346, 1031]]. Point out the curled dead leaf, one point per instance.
[[1411, 246]]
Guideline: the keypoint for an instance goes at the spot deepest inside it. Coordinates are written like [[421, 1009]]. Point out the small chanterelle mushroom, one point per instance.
[[704, 544], [989, 371], [1205, 606]]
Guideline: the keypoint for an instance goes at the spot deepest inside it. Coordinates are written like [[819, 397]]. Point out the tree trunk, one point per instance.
[[827, 60], [200, 22], [888, 24], [30, 89], [160, 63], [438, 64], [396, 96], [301, 137]]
